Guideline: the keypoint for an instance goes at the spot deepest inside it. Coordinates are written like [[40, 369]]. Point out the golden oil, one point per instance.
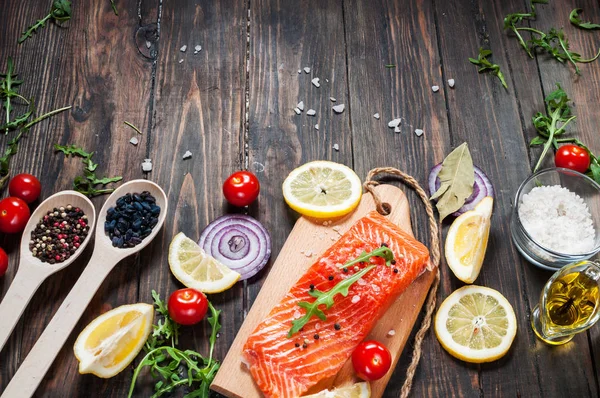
[[571, 301]]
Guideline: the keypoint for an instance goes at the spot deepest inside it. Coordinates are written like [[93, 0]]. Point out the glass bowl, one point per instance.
[[578, 183]]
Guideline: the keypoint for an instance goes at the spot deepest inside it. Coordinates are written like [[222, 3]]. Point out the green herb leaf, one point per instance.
[[457, 177], [133, 127], [383, 252], [486, 66], [213, 320], [512, 20], [59, 12], [10, 151], [72, 150], [390, 66], [575, 20], [114, 7]]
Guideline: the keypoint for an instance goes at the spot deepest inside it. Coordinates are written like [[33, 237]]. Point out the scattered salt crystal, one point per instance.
[[395, 123], [327, 80], [181, 60], [306, 69], [391, 332], [148, 44], [375, 288], [336, 147], [336, 228], [339, 108], [311, 112], [147, 165], [376, 116], [361, 282], [299, 71], [332, 99], [317, 326], [419, 132], [435, 89], [316, 126], [187, 155], [197, 48], [297, 111], [297, 314], [134, 141], [300, 105], [325, 223], [218, 335], [397, 129], [451, 83], [183, 48], [355, 299], [558, 219], [332, 238], [315, 82]]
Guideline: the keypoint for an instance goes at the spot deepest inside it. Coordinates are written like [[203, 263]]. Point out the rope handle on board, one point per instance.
[[383, 208]]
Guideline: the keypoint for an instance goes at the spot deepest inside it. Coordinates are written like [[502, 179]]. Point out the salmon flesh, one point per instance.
[[285, 366]]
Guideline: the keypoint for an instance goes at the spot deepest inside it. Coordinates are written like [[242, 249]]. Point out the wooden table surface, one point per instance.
[[232, 105]]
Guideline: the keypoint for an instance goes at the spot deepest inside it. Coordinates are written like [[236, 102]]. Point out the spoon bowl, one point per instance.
[[32, 271]]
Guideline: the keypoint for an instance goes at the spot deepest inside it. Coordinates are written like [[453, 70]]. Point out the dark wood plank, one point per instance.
[[80, 66], [198, 107], [403, 34]]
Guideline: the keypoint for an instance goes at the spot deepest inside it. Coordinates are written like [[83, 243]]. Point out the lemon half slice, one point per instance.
[[322, 189], [467, 241], [476, 324], [196, 269], [357, 390], [110, 342]]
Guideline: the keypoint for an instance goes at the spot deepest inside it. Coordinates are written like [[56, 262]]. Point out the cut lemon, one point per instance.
[[357, 390], [476, 324], [322, 189], [467, 241], [110, 342], [196, 269]]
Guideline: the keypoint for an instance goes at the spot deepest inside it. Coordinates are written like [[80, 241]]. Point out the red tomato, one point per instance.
[[25, 186], [241, 188], [371, 360], [572, 157], [187, 306], [3, 262], [14, 215]]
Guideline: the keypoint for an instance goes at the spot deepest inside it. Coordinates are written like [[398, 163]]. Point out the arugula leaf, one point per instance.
[[165, 329], [59, 12], [486, 66], [10, 151], [512, 20], [390, 66], [8, 88], [383, 252], [575, 20], [213, 320], [114, 7]]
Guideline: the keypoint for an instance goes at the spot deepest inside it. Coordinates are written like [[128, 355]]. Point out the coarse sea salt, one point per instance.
[[557, 219]]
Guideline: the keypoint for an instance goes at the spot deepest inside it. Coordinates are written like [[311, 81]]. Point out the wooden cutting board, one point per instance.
[[307, 241]]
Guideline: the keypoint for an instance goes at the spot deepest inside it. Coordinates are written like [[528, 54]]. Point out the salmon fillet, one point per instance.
[[282, 366]]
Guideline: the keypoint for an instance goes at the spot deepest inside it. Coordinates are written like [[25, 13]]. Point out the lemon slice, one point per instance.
[[110, 342], [196, 269], [357, 390], [322, 189], [476, 324], [467, 241]]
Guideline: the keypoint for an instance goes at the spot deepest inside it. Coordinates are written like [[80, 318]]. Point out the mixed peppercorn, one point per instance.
[[132, 219], [58, 234]]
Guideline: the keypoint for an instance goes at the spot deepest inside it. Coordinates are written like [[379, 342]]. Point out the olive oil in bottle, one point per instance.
[[571, 301]]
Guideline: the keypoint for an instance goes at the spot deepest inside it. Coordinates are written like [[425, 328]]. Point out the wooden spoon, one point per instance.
[[105, 257], [32, 271]]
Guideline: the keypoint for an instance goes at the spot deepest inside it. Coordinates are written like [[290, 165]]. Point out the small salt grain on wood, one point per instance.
[[376, 116], [148, 44], [435, 89], [147, 165], [306, 69], [339, 108], [332, 99], [181, 60], [300, 105], [395, 123], [187, 155], [397, 129], [419, 132], [315, 82], [134, 141], [311, 112], [297, 111], [336, 147], [183, 48], [451, 83], [316, 126], [391, 333], [299, 71]]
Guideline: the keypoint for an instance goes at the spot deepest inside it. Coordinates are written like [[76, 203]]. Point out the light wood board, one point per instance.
[[311, 236]]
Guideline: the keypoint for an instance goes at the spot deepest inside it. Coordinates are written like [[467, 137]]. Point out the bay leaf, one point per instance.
[[457, 177]]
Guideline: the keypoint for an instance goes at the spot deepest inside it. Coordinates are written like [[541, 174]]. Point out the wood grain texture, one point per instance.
[[310, 236]]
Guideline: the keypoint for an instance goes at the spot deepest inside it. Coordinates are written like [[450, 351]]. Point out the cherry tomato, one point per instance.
[[3, 262], [572, 157], [14, 215], [371, 360], [187, 306], [241, 188], [25, 186]]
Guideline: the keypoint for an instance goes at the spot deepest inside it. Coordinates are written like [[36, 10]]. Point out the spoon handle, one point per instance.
[[42, 355]]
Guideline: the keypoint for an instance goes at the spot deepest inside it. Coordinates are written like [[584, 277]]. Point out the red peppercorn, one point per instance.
[[57, 257], [76, 238], [56, 224], [77, 209], [76, 244]]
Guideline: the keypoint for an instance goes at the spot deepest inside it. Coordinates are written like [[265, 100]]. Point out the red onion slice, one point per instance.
[[481, 188], [238, 241]]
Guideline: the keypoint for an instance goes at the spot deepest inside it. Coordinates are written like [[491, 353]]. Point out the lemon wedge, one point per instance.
[[467, 241], [196, 269], [357, 390], [322, 189], [110, 342], [476, 324]]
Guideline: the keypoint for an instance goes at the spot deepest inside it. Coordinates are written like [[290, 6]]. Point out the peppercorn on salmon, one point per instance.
[[285, 366]]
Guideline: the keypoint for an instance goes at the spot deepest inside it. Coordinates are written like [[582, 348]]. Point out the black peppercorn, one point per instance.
[[337, 326], [393, 262], [316, 336], [330, 277], [395, 270]]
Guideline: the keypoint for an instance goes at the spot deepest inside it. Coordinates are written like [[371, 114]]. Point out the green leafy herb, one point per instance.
[[512, 20], [114, 7], [165, 361], [457, 177], [575, 20], [326, 298], [87, 184], [551, 125], [59, 13], [133, 127], [10, 151], [486, 66], [390, 66], [9, 89]]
